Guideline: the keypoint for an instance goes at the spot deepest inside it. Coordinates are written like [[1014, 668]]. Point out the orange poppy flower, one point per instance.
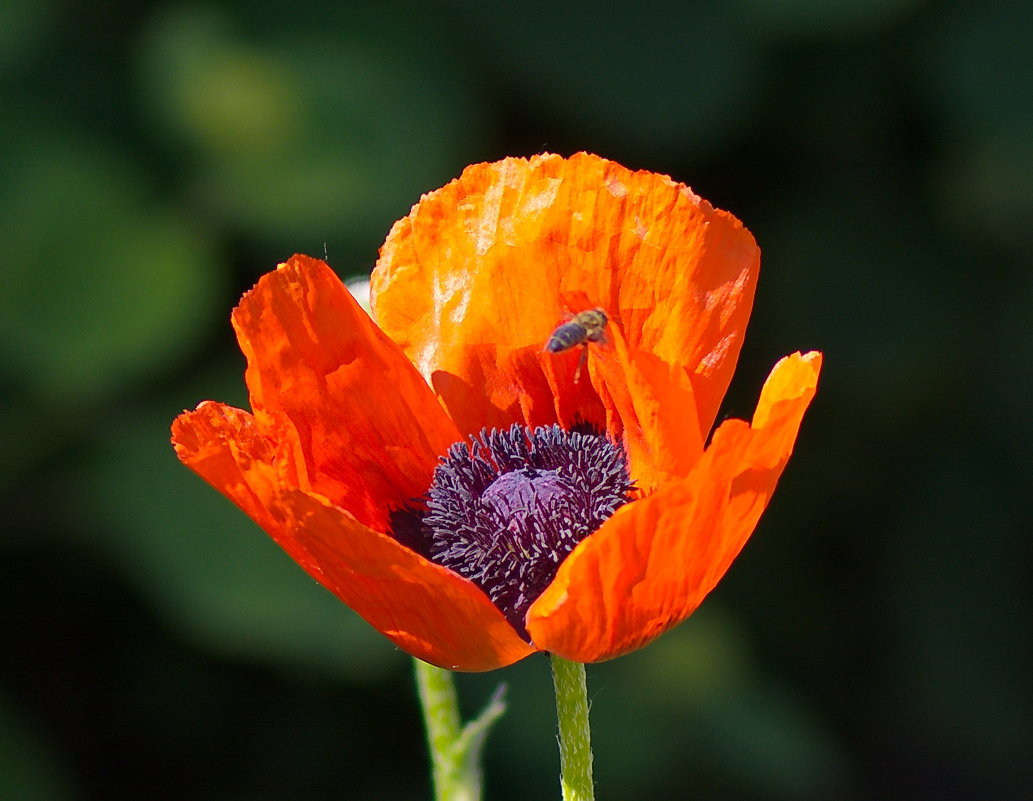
[[473, 495]]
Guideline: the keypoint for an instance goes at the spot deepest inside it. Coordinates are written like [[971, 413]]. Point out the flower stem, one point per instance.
[[455, 749], [575, 736]]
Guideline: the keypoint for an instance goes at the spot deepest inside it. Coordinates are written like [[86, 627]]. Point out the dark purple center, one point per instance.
[[505, 509]]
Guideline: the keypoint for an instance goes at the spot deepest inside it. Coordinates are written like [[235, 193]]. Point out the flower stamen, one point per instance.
[[506, 509]]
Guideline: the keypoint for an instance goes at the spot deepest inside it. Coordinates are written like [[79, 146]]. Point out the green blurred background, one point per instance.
[[873, 641]]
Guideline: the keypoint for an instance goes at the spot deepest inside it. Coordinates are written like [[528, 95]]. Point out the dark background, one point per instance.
[[155, 158]]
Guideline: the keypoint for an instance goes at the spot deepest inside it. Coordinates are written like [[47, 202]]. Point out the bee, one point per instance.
[[587, 326]]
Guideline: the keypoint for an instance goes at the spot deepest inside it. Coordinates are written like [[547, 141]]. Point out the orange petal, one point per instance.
[[224, 446], [665, 440], [654, 561], [366, 427], [425, 609], [475, 279]]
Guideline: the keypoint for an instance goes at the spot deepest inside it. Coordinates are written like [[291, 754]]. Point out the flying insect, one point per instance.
[[585, 327]]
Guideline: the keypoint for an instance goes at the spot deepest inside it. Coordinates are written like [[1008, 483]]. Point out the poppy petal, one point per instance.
[[472, 282], [368, 430], [654, 561], [224, 446], [425, 609], [651, 407]]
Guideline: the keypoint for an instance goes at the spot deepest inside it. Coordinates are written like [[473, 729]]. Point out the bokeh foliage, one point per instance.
[[872, 641]]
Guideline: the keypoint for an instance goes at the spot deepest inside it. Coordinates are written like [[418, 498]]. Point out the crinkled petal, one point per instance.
[[225, 447], [365, 427], [472, 283], [425, 609], [654, 561]]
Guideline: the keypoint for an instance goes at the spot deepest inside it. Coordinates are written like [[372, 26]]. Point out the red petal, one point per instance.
[[654, 561], [474, 280], [366, 428], [425, 609]]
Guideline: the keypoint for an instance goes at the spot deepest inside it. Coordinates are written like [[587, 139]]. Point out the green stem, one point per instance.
[[575, 735], [455, 750], [441, 718]]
